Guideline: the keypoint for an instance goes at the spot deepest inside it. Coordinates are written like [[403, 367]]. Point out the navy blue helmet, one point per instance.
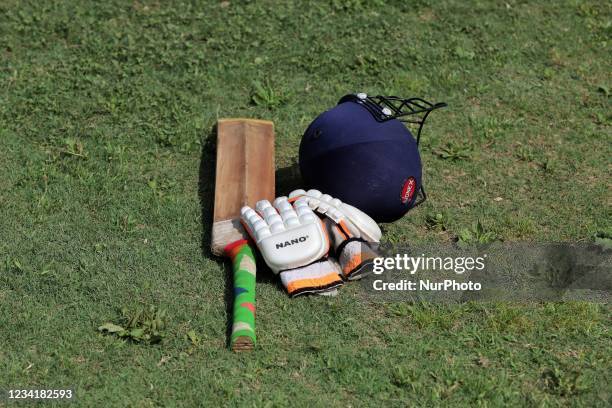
[[361, 152]]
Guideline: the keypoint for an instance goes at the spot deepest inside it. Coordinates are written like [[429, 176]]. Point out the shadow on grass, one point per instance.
[[206, 188], [286, 181]]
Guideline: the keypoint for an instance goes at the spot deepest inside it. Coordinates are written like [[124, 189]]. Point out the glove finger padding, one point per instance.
[[287, 236], [361, 224], [356, 256]]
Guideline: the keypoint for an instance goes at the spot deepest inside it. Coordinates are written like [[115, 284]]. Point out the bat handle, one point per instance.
[[244, 268]]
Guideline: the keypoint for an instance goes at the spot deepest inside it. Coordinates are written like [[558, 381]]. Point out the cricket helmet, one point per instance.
[[361, 152]]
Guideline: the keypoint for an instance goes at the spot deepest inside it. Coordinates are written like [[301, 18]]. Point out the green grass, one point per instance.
[[106, 158]]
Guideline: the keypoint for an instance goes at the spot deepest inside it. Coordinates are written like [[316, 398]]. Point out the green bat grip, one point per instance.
[[243, 323]]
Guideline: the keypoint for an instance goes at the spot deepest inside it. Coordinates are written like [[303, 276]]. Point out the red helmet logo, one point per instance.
[[408, 190]]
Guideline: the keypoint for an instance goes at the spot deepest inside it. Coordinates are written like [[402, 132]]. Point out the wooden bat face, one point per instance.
[[244, 175]]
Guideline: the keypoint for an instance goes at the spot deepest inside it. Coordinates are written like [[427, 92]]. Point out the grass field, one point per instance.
[[106, 158]]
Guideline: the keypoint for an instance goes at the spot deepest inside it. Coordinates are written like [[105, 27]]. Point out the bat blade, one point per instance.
[[244, 175]]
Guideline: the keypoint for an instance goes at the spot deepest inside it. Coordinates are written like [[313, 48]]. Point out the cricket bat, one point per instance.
[[244, 175]]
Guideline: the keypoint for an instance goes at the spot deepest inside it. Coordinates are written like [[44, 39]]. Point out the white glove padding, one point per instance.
[[360, 224], [287, 236], [294, 242], [319, 278], [352, 231]]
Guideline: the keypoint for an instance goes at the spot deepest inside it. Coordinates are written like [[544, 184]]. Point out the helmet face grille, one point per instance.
[[384, 108]]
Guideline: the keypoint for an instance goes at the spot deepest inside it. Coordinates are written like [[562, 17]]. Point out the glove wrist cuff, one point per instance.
[[356, 258], [340, 247], [319, 276]]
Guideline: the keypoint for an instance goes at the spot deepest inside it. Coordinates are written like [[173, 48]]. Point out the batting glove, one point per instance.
[[294, 243], [354, 233]]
